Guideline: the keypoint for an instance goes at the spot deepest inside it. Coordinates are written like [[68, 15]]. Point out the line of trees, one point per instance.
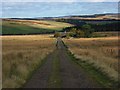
[[78, 32], [99, 26], [84, 31], [75, 22], [106, 27]]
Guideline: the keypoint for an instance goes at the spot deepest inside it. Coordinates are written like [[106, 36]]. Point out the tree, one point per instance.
[[87, 30], [73, 32]]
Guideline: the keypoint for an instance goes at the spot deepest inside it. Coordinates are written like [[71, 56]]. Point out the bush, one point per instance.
[[68, 35], [57, 34], [80, 34]]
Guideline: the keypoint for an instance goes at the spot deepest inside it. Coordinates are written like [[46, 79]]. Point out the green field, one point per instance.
[[31, 27]]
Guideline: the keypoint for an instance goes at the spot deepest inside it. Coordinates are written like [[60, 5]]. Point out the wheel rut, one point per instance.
[[64, 74]]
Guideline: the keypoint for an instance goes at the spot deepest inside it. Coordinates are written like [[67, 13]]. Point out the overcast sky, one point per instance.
[[45, 9], [59, 0]]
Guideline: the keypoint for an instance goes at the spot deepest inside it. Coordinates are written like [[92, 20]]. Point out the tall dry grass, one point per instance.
[[102, 52], [22, 55]]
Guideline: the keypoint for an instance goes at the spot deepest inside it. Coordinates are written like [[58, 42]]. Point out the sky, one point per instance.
[[60, 0], [17, 9]]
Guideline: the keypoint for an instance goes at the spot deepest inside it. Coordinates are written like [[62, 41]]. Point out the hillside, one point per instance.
[[43, 25], [109, 16], [11, 26], [94, 19]]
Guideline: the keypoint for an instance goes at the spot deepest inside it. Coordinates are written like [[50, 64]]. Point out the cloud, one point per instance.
[[37, 9], [39, 1], [60, 0], [98, 0]]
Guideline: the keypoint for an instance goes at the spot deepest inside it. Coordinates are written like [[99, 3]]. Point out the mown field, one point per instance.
[[12, 27], [100, 52], [21, 56]]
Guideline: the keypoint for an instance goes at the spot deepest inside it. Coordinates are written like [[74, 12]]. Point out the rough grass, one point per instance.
[[21, 56], [105, 34], [101, 52]]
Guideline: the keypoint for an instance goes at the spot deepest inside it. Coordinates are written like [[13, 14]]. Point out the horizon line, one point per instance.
[[61, 15]]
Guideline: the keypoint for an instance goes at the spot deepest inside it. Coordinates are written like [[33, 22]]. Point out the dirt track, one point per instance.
[[70, 74]]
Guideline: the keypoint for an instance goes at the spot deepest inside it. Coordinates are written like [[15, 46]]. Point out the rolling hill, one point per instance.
[[45, 25], [15, 27]]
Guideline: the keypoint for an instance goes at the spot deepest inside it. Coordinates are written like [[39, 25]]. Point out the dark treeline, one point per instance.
[[79, 31], [87, 29], [27, 33], [106, 27], [75, 22], [99, 26]]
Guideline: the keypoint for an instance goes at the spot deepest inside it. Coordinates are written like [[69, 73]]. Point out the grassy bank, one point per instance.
[[99, 56], [21, 56]]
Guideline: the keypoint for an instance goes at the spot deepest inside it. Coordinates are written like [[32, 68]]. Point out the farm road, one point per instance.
[[59, 71]]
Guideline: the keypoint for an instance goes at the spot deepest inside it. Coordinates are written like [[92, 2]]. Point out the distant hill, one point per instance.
[[96, 18], [107, 16], [81, 19]]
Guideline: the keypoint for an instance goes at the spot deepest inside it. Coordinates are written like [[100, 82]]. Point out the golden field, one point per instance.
[[102, 52], [22, 55]]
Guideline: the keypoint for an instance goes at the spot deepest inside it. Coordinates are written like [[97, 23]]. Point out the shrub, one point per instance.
[[80, 34], [57, 34]]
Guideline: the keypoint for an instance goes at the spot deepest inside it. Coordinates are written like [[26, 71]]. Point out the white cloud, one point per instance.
[[98, 0], [39, 0], [60, 0]]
